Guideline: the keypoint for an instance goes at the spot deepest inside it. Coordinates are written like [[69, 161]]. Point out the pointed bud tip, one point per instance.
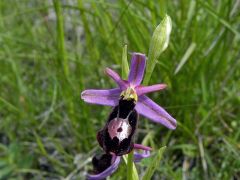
[[162, 86], [173, 125], [82, 94], [106, 70]]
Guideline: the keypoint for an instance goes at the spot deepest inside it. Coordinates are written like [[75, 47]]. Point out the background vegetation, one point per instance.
[[52, 50]]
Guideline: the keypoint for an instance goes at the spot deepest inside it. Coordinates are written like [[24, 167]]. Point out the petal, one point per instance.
[[141, 90], [108, 97], [121, 83], [154, 112], [139, 156], [142, 147], [138, 63], [110, 170]]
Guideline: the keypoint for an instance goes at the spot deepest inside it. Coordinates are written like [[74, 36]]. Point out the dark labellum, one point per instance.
[[101, 162], [117, 135]]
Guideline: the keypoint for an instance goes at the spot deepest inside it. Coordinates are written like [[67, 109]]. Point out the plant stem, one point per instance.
[[130, 166], [62, 57]]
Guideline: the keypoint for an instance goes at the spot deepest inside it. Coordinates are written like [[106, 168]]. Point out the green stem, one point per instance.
[[85, 22], [130, 166], [62, 57], [125, 66]]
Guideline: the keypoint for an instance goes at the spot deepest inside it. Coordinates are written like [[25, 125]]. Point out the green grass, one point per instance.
[[46, 61]]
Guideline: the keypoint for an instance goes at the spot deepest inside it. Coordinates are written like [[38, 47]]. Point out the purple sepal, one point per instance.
[[110, 170], [139, 156], [146, 107], [108, 97], [121, 83], [138, 63], [141, 90]]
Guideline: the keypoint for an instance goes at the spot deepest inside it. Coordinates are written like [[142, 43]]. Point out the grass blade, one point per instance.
[[62, 57], [151, 169], [185, 57], [220, 19]]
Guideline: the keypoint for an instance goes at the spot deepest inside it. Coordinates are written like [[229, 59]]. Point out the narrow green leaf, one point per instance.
[[163, 7], [204, 88], [11, 106], [51, 109], [152, 167], [6, 172], [158, 44], [225, 23], [3, 163], [62, 56], [40, 144], [185, 57], [191, 12], [125, 66]]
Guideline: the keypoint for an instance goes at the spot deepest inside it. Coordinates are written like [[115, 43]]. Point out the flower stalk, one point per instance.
[[125, 66], [130, 166], [62, 56], [144, 105], [129, 100]]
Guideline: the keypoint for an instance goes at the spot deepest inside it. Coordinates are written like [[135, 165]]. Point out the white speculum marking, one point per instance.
[[119, 128]]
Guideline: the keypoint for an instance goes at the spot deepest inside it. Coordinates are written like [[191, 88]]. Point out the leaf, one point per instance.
[[6, 172], [3, 163], [153, 166], [221, 20], [185, 57], [40, 144]]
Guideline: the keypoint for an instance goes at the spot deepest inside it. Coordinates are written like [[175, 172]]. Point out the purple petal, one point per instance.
[[141, 90], [139, 156], [121, 83], [138, 63], [108, 97], [142, 147], [110, 170], [154, 112]]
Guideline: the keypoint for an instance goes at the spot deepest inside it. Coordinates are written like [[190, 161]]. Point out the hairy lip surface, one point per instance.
[[119, 128]]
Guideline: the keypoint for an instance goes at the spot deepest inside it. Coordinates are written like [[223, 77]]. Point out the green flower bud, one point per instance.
[[158, 44], [160, 38]]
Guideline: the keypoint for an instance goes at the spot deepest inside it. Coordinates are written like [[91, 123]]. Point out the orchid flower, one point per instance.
[[112, 166], [132, 87]]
